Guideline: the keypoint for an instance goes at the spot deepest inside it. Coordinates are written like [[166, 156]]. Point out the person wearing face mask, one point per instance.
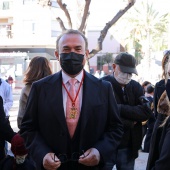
[[133, 112], [71, 119]]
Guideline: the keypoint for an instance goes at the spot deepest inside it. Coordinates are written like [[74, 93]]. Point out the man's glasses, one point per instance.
[[74, 157]]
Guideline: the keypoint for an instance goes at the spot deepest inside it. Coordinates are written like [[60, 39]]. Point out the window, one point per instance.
[[5, 5], [54, 28], [33, 27], [29, 27]]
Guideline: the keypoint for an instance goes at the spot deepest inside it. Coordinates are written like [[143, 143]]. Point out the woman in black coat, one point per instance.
[[159, 154], [6, 132], [163, 156]]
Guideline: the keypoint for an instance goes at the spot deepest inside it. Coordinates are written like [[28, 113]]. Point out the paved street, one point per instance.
[[140, 163]]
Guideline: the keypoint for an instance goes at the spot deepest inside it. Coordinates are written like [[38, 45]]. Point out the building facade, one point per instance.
[[28, 29]]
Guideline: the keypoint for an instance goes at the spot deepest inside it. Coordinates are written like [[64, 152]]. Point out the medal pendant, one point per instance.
[[73, 113]]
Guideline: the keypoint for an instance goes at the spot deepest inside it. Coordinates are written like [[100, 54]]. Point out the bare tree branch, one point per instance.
[[63, 7], [107, 26], [44, 3], [84, 29], [86, 13], [61, 24]]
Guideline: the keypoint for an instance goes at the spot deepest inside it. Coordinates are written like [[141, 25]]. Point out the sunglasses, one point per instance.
[[74, 157]]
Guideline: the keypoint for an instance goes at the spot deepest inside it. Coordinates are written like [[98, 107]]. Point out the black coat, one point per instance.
[[163, 161], [44, 125], [6, 132], [157, 131], [131, 112], [150, 125]]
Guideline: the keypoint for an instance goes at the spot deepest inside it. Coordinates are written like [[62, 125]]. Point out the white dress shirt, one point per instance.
[[65, 79], [6, 94]]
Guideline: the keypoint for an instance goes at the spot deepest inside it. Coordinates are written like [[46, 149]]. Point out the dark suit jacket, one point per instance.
[[44, 125]]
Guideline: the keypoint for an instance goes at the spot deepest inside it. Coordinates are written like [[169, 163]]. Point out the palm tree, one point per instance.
[[141, 30], [149, 28], [108, 58]]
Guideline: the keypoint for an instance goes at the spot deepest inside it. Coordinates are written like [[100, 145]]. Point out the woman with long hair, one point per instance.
[[159, 154], [39, 67]]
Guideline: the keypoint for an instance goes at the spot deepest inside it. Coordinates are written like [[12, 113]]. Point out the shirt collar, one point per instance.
[[66, 77]]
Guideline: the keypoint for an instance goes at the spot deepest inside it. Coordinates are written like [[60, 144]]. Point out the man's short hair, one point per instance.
[[71, 31], [150, 88]]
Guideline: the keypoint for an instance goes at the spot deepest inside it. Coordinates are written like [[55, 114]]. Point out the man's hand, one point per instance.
[[90, 158], [50, 162]]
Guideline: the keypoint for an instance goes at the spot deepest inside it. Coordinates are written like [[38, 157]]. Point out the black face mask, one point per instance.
[[71, 63]]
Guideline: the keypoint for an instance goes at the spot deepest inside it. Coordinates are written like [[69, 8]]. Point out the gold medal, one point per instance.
[[73, 112]]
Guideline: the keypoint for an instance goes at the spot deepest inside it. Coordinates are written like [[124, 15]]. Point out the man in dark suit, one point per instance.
[[82, 136]]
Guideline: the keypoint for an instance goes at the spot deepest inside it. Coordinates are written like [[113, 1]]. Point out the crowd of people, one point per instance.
[[72, 120]]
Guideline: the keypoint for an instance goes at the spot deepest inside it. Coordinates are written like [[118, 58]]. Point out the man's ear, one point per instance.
[[57, 55], [113, 66], [87, 54]]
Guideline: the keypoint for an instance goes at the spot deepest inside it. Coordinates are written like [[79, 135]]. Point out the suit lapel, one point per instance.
[[90, 88], [53, 90]]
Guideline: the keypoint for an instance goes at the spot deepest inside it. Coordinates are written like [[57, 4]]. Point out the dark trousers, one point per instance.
[[124, 160]]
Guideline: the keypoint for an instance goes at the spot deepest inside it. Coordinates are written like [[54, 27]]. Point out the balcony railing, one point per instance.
[[11, 40]]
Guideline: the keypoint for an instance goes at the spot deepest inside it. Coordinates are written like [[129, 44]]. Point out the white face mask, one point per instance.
[[20, 159], [123, 78]]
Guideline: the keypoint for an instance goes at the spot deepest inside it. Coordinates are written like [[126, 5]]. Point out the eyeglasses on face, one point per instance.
[[74, 157]]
